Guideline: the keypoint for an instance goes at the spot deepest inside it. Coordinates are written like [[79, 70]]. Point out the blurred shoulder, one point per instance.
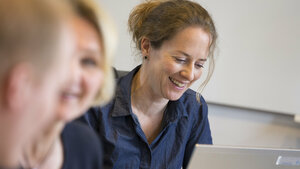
[[82, 147], [77, 134]]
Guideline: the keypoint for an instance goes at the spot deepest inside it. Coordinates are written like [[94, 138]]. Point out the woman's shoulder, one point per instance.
[[79, 127], [79, 136], [82, 147]]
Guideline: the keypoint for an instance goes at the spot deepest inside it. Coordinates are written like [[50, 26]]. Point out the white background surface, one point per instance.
[[257, 66]]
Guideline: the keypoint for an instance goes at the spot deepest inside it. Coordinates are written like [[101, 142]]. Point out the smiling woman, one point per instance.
[[87, 73], [169, 25], [64, 145], [154, 121]]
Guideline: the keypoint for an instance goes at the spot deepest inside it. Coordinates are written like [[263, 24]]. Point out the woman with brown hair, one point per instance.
[[155, 120]]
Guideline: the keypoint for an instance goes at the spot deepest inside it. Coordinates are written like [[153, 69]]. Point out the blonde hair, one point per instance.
[[90, 10], [30, 31], [160, 20]]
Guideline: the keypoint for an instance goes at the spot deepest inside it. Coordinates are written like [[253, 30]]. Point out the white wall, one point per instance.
[[119, 10], [234, 126], [257, 66]]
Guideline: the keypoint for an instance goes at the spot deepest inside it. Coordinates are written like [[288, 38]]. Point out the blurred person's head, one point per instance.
[[35, 47], [91, 81]]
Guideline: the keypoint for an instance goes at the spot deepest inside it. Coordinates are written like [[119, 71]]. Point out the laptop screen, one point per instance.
[[230, 157]]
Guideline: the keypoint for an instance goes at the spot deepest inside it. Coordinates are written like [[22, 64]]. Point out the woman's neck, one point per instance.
[[11, 142], [9, 156], [147, 106], [45, 152], [143, 98]]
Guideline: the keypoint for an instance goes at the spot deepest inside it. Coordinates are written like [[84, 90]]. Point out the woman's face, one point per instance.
[[178, 63], [86, 71], [41, 97]]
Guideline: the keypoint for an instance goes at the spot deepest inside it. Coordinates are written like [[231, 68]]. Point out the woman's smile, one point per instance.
[[177, 83]]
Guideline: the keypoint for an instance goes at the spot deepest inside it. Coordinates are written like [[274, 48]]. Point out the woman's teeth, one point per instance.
[[68, 95], [177, 83]]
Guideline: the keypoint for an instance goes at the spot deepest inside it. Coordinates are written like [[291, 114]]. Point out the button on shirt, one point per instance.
[[125, 146]]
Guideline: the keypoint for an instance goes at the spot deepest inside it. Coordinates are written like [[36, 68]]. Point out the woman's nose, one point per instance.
[[188, 72], [75, 72]]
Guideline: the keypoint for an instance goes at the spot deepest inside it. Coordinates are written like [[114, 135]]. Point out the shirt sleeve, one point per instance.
[[200, 133]]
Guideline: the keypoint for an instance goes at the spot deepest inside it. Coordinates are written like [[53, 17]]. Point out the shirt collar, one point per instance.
[[123, 94]]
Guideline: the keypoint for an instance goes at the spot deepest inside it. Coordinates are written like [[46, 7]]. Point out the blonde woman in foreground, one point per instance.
[[73, 145], [35, 47]]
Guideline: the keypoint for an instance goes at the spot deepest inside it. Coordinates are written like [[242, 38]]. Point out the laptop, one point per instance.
[[229, 157]]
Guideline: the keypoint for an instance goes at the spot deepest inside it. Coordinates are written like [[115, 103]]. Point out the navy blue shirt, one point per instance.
[[82, 148], [185, 123]]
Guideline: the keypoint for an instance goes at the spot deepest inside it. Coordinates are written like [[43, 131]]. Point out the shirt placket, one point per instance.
[[146, 153]]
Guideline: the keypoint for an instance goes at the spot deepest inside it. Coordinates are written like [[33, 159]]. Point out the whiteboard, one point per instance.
[[257, 56]]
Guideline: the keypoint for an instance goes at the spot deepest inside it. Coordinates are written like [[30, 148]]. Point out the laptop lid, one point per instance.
[[229, 157]]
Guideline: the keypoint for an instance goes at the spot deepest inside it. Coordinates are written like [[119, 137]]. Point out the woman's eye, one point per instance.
[[179, 60], [198, 65], [88, 62]]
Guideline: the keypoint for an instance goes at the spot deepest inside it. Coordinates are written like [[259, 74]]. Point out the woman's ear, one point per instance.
[[145, 46]]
